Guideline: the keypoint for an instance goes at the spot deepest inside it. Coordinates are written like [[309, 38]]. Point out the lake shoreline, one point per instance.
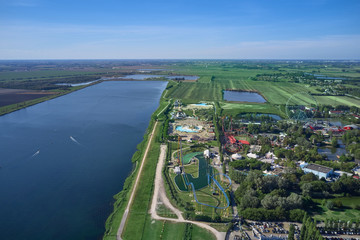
[[14, 107], [134, 152], [122, 198]]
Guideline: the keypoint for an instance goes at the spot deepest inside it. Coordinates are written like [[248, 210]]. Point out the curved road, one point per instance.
[[159, 193]]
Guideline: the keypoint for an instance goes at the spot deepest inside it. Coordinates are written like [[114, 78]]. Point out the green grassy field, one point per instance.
[[168, 230], [237, 108], [216, 77], [337, 100], [346, 213]]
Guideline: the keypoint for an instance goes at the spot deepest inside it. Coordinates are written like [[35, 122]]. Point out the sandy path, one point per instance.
[[159, 193], [126, 213]]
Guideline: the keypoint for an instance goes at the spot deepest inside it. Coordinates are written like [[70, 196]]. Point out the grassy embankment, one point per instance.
[[139, 224]]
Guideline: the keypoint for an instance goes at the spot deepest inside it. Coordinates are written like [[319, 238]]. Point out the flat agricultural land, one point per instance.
[[215, 77], [12, 96], [236, 108], [337, 100]]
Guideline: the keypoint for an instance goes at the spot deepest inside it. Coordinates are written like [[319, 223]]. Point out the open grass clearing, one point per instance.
[[168, 230], [234, 109], [346, 213], [337, 100]]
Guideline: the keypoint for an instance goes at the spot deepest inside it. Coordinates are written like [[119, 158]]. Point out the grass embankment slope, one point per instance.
[[139, 224]]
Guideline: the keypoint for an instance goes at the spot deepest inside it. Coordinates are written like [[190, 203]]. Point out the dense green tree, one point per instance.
[[291, 235]]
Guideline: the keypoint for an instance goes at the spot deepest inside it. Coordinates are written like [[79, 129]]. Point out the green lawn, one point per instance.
[[337, 100], [347, 213], [168, 230]]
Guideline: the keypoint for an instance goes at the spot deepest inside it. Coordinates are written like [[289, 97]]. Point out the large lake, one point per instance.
[[63, 160]]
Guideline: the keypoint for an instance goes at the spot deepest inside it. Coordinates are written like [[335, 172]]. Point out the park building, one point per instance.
[[207, 153], [236, 156], [177, 170], [318, 170]]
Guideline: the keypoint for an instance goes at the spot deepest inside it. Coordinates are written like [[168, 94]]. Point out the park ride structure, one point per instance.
[[211, 181]]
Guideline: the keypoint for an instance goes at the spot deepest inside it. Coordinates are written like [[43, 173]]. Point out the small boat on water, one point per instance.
[[36, 153]]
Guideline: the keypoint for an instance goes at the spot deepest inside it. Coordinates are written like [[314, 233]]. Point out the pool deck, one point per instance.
[[205, 132]]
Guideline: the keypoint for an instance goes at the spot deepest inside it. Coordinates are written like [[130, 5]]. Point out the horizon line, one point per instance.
[[182, 59]]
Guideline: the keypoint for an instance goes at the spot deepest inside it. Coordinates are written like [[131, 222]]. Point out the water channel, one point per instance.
[[61, 161]]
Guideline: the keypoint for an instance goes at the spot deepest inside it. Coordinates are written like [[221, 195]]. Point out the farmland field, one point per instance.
[[215, 77]]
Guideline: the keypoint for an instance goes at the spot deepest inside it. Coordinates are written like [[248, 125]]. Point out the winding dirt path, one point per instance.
[[126, 213], [160, 194]]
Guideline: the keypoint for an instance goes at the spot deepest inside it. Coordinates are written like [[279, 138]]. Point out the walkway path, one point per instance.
[[159, 193], [126, 213]]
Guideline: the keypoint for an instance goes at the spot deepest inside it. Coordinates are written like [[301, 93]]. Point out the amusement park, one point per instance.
[[195, 168]]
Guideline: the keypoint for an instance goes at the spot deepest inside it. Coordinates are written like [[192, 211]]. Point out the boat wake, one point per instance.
[[74, 140], [35, 154]]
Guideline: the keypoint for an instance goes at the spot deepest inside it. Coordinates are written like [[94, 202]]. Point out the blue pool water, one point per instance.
[[181, 129]]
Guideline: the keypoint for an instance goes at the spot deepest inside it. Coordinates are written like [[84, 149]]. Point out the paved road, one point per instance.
[[126, 213], [159, 193]]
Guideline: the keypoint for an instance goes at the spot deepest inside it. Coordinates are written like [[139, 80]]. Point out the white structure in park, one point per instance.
[[207, 153], [236, 156], [252, 155], [177, 170]]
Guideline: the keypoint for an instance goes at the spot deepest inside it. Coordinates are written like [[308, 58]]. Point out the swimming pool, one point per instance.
[[187, 129]]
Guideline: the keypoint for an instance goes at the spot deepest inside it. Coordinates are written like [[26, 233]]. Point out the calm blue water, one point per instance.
[[333, 153], [201, 104], [243, 97], [63, 160]]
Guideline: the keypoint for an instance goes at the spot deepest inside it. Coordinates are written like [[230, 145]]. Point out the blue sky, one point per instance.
[[229, 29]]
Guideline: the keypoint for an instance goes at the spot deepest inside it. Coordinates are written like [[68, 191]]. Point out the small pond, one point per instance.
[[333, 153], [243, 97]]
